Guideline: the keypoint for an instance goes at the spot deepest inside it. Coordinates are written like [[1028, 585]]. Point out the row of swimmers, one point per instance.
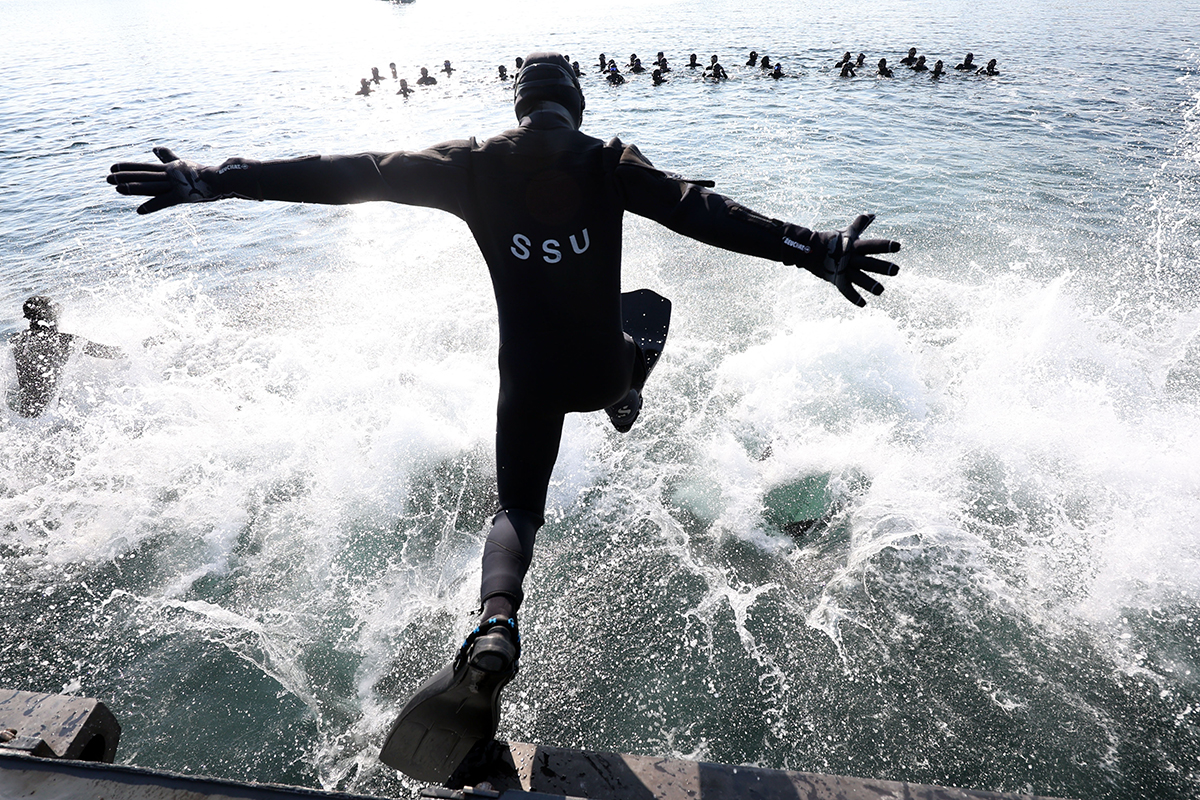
[[424, 80], [608, 67], [848, 64]]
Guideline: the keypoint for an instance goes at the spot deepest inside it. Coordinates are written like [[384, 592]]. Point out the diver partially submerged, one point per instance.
[[41, 354], [545, 203]]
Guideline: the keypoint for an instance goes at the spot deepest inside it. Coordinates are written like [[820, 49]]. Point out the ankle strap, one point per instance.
[[484, 627]]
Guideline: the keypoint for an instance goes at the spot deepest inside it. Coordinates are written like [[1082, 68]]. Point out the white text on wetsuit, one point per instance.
[[550, 247]]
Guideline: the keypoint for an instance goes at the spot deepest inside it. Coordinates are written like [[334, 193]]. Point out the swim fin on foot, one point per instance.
[[457, 707]]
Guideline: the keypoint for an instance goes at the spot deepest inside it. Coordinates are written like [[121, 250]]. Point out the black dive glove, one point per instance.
[[174, 181], [840, 257]]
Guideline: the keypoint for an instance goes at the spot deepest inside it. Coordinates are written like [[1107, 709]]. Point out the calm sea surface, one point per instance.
[[951, 538]]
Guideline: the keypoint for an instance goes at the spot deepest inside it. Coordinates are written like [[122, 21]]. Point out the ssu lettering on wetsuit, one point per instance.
[[551, 247]]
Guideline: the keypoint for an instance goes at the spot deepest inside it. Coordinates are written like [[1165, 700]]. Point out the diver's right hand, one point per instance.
[[172, 182]]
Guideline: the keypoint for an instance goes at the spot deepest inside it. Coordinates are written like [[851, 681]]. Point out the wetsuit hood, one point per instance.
[[41, 311], [547, 77]]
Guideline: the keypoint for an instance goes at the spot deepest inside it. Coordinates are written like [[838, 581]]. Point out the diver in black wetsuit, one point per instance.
[[375, 79], [937, 69], [392, 66], [693, 63], [884, 70], [365, 88], [911, 58], [920, 65], [614, 76], [545, 203], [426, 79], [752, 61], [968, 63], [990, 69], [404, 88], [657, 77], [41, 353]]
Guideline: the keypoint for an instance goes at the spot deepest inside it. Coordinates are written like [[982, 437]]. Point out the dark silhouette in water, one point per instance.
[[884, 70], [990, 69], [41, 353]]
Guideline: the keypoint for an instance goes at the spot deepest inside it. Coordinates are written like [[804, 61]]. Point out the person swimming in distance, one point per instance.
[[753, 60], [392, 67], [502, 72], [911, 58], [845, 59], [693, 63], [520, 63], [426, 79], [777, 73], [603, 63], [657, 77], [848, 69], [920, 65], [661, 61], [365, 89], [884, 70], [765, 63], [446, 68], [637, 66], [990, 69], [861, 61], [614, 76], [375, 79], [578, 71], [716, 71], [42, 352], [968, 63], [404, 88], [937, 70], [633, 59]]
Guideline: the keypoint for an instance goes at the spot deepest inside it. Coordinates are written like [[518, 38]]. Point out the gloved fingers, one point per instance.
[[858, 226], [136, 167], [126, 177], [165, 154], [876, 265], [843, 285], [867, 282], [152, 188], [156, 204], [863, 246]]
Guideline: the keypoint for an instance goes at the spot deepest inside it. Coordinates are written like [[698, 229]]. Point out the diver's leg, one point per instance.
[[527, 440]]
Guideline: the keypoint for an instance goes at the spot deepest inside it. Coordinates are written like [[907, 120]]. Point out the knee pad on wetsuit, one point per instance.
[[508, 553]]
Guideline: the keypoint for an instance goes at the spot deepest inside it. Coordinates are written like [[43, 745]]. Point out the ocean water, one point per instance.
[[950, 538]]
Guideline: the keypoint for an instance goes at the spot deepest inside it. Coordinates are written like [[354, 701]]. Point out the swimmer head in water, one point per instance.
[[42, 312], [548, 78]]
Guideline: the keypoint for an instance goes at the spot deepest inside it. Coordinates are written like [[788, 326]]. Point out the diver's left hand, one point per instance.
[[170, 183], [846, 258]]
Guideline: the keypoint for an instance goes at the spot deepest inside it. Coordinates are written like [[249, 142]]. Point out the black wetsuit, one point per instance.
[[41, 356], [545, 204]]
